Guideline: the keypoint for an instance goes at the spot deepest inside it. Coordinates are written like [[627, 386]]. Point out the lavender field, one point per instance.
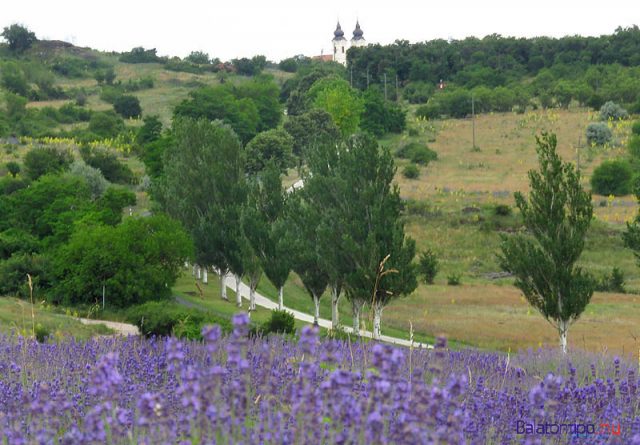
[[245, 390]]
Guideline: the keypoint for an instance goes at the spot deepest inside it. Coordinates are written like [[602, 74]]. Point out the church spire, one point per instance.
[[357, 33], [338, 34]]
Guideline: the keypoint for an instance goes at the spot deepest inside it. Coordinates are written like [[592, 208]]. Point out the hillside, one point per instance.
[[450, 207]]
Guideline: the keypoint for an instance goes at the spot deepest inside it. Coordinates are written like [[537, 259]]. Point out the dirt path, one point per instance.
[[120, 328]]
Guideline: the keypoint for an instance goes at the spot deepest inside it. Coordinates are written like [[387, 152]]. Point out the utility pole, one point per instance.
[[578, 153], [473, 120], [385, 86]]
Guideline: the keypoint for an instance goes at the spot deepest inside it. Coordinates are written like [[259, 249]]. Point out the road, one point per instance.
[[265, 302], [120, 328]]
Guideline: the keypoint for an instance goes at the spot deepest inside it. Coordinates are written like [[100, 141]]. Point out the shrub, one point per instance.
[[42, 160], [409, 150], [281, 322], [502, 210], [411, 171], [41, 333], [634, 147], [162, 319], [598, 133], [106, 124], [140, 55], [94, 178], [613, 282], [13, 168], [107, 162], [611, 110], [429, 111], [612, 178], [127, 106], [423, 155], [454, 279], [635, 128], [428, 266]]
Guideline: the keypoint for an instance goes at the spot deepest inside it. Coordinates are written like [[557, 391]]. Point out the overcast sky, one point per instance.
[[282, 28]]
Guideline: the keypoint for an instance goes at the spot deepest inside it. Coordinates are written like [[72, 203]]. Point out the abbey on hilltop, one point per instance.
[[341, 45]]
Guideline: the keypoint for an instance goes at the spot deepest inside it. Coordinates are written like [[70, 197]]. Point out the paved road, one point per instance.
[[120, 328], [265, 302]]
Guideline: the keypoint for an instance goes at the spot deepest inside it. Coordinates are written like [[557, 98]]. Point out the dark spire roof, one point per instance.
[[357, 33], [338, 34]]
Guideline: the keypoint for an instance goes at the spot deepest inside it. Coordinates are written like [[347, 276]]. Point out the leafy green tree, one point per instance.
[[109, 76], [303, 220], [632, 235], [361, 224], [198, 57], [203, 186], [265, 227], [128, 106], [557, 215], [16, 107], [272, 146], [18, 37], [337, 98], [428, 266], [42, 160], [380, 117], [136, 261], [112, 202], [93, 177], [309, 129], [151, 130]]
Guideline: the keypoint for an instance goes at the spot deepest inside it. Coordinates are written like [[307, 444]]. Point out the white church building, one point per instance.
[[341, 45]]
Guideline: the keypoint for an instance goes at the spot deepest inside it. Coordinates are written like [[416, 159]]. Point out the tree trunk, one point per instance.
[[252, 297], [205, 276], [377, 320], [281, 298], [356, 308], [335, 316], [316, 313], [223, 286], [563, 329], [238, 294]]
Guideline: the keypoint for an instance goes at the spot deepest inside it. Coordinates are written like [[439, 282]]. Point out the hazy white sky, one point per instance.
[[282, 28]]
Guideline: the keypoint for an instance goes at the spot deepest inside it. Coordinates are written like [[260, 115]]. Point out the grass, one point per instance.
[[15, 316]]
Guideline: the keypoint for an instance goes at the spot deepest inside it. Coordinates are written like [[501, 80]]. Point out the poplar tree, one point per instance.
[[556, 216]]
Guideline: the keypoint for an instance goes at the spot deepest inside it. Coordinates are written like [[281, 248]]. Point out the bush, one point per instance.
[[428, 266], [502, 210], [612, 178], [127, 106], [635, 128], [408, 151], [411, 171], [42, 160], [611, 110], [140, 55], [454, 279], [94, 178], [162, 319], [13, 168], [281, 322], [107, 162], [429, 111], [598, 134], [106, 124], [423, 155], [613, 282], [41, 333], [634, 147]]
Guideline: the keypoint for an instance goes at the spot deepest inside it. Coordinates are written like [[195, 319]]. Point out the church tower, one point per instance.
[[357, 39], [340, 46]]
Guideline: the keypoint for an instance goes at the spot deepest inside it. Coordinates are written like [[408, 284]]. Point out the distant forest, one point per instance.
[[589, 70]]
